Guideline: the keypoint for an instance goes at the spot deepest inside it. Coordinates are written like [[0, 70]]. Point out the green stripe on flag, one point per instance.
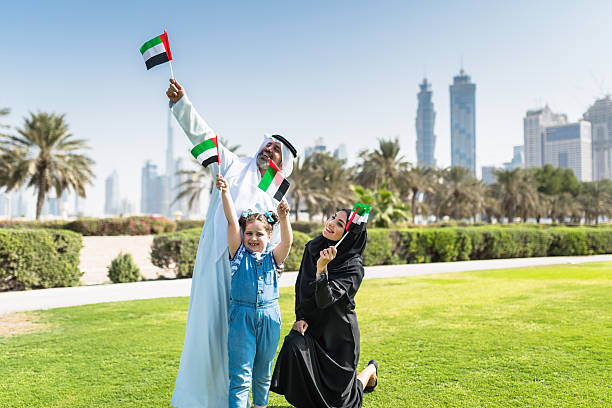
[[150, 43], [267, 178], [205, 145]]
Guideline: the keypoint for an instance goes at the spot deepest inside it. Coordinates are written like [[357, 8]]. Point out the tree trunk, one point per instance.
[[412, 207], [40, 200], [297, 208]]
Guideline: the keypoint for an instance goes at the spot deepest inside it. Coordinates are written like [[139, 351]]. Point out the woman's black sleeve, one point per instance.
[[327, 291]]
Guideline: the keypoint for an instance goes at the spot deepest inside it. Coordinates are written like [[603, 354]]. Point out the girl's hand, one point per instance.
[[326, 256], [221, 183], [283, 209]]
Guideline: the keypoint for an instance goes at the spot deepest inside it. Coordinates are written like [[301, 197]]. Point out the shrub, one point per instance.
[[379, 250], [39, 258], [569, 241], [121, 226], [176, 251], [189, 224], [123, 269], [310, 228], [293, 261]]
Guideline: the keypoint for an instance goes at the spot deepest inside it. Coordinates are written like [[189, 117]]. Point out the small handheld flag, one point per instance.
[[156, 51], [356, 220], [207, 152], [273, 182]]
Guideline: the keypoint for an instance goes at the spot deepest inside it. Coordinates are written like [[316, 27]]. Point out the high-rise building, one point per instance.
[[534, 123], [488, 177], [425, 120], [319, 147], [112, 202], [340, 152], [463, 122], [517, 161], [569, 147], [600, 116], [147, 187]]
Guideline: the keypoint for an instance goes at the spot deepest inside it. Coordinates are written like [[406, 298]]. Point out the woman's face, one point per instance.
[[334, 226]]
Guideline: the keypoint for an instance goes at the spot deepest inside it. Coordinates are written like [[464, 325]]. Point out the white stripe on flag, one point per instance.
[[153, 51], [278, 179], [206, 154]]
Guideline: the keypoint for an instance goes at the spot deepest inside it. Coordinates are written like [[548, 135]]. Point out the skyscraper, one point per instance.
[[147, 187], [569, 147], [112, 202], [600, 116], [425, 119], [534, 123], [463, 122], [518, 159]]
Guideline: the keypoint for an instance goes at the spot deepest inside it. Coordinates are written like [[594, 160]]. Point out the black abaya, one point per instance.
[[319, 369]]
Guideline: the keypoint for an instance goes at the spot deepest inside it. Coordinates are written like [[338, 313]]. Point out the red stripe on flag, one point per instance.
[[352, 216], [164, 38], [273, 165], [216, 142]]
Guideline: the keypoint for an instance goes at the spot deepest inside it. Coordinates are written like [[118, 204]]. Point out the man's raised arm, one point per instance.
[[196, 129]]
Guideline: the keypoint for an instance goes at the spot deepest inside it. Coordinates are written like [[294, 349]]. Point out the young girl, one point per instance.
[[254, 314]]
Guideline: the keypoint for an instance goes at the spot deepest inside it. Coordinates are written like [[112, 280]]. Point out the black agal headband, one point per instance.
[[286, 143]]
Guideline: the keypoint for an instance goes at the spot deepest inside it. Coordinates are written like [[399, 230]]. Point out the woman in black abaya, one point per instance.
[[317, 365]]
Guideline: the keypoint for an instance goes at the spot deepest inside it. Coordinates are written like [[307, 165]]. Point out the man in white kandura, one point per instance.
[[202, 379]]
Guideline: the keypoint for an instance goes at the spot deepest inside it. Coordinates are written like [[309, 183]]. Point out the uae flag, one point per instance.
[[156, 51], [206, 152], [273, 182], [359, 216]]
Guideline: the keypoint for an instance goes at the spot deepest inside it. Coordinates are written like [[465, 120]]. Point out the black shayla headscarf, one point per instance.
[[353, 245]]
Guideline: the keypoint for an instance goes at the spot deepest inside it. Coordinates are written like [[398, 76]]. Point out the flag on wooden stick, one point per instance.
[[273, 182], [359, 216], [156, 51], [356, 220], [207, 152]]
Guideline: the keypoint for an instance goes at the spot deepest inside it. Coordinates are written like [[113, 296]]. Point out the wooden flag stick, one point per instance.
[[341, 239]]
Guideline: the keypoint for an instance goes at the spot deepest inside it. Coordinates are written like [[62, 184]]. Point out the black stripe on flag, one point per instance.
[[210, 160], [156, 60], [282, 189]]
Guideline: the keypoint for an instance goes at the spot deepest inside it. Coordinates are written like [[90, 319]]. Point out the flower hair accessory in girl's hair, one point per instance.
[[270, 216]]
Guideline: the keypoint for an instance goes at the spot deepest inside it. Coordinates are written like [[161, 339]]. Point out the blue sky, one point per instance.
[[346, 71]]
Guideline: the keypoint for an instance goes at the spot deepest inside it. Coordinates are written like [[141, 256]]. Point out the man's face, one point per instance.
[[272, 150]]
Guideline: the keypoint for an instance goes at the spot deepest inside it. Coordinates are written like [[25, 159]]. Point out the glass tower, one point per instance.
[[463, 122], [425, 119]]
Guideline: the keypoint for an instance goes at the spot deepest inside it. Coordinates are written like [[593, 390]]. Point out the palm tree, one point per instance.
[[461, 190], [303, 188], [517, 192], [198, 179], [415, 181], [595, 198], [384, 163], [387, 208], [45, 156], [330, 184]]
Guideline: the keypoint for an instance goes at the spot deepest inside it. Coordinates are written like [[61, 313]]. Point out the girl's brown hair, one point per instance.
[[269, 219]]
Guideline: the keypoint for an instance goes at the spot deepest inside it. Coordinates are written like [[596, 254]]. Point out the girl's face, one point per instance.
[[334, 226], [256, 238]]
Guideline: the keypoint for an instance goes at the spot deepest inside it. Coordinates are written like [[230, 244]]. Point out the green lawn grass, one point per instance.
[[518, 337]]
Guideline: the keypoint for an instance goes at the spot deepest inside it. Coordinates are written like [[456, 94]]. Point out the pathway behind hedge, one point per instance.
[[506, 338]]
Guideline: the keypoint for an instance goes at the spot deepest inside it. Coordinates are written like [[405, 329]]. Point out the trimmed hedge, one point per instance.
[[123, 269], [189, 224], [421, 245], [39, 258], [177, 251], [103, 226]]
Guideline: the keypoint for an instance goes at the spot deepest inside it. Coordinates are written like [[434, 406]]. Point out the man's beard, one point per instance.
[[262, 162]]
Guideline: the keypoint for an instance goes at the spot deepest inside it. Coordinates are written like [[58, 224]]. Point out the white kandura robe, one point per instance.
[[203, 380]]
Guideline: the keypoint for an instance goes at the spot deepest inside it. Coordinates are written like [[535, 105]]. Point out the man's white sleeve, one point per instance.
[[194, 126], [197, 130]]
